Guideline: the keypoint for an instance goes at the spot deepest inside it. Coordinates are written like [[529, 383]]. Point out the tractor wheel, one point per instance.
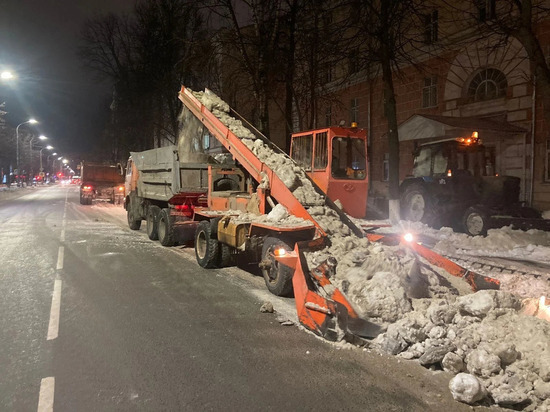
[[278, 277], [165, 229], [82, 200], [416, 204], [475, 221], [152, 220], [225, 256], [206, 246]]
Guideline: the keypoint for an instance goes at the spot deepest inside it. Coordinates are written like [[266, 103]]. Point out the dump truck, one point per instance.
[[101, 181], [164, 191], [454, 183], [263, 207]]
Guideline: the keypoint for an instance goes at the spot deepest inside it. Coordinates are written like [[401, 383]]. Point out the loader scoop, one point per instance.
[[322, 308]]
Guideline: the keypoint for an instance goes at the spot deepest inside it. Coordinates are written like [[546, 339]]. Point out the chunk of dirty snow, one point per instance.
[[278, 213], [267, 307], [482, 363], [452, 363], [467, 388], [481, 303]]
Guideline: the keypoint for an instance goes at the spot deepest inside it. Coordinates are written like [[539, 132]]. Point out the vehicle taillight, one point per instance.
[[121, 188], [187, 210], [87, 188]]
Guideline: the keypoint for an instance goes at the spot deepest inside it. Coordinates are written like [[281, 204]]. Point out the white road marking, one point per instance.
[[53, 328], [47, 389], [60, 256], [62, 237]]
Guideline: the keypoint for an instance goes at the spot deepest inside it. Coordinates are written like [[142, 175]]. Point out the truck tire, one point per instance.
[[152, 220], [475, 221], [166, 228], [278, 277], [206, 245], [133, 223], [415, 204], [82, 200]]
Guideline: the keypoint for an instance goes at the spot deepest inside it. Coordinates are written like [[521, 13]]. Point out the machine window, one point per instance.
[[321, 152], [302, 151], [348, 158]]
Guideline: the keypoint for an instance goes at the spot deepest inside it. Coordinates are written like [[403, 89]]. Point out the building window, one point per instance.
[[431, 26], [355, 110], [547, 171], [328, 116], [326, 73], [353, 62], [486, 10], [386, 165], [487, 84], [429, 92]]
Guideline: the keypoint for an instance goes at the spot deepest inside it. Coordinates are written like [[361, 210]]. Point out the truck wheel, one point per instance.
[[415, 204], [152, 220], [166, 228], [206, 245], [475, 221], [82, 200], [133, 223], [278, 277]]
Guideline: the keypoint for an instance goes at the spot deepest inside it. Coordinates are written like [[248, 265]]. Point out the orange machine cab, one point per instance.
[[336, 159]]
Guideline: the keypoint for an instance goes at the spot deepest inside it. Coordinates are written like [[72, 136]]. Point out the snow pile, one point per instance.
[[505, 242]]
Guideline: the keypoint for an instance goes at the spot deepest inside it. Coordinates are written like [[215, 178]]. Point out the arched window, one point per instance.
[[487, 84]]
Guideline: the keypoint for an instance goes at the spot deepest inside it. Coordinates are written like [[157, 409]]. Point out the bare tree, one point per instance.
[[147, 56], [380, 37], [254, 40]]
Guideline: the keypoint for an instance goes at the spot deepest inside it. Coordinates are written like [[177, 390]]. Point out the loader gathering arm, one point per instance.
[[246, 157]]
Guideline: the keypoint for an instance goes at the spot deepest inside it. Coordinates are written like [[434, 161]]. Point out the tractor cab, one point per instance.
[[336, 160]]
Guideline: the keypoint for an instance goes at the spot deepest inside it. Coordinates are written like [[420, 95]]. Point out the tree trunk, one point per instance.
[[393, 138]]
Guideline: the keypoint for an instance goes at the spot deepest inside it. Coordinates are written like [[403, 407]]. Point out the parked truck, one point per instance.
[[454, 183], [101, 181]]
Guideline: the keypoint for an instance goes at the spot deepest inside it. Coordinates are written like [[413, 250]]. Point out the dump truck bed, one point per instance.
[[162, 176]]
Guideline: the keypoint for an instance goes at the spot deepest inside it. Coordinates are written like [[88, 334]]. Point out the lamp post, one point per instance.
[[31, 141], [47, 148], [31, 121]]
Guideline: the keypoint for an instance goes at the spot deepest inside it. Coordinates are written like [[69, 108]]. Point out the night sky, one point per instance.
[[38, 42]]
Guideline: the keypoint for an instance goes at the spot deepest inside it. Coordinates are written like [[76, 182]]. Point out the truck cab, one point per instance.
[[335, 158]]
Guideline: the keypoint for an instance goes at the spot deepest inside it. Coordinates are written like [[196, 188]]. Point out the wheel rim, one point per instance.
[[201, 245], [474, 223], [417, 205], [271, 273]]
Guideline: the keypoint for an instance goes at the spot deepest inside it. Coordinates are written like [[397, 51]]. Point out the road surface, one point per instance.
[[96, 317]]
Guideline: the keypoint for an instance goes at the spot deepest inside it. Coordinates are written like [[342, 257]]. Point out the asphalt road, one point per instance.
[[96, 317]]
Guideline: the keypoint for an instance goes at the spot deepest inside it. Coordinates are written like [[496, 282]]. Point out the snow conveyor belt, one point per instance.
[[267, 164]]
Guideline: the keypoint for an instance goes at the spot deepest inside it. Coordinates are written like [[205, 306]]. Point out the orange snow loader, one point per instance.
[[234, 214]]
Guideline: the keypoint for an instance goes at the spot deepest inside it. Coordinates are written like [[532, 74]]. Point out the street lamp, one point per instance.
[[47, 148], [31, 121], [31, 141], [6, 75]]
